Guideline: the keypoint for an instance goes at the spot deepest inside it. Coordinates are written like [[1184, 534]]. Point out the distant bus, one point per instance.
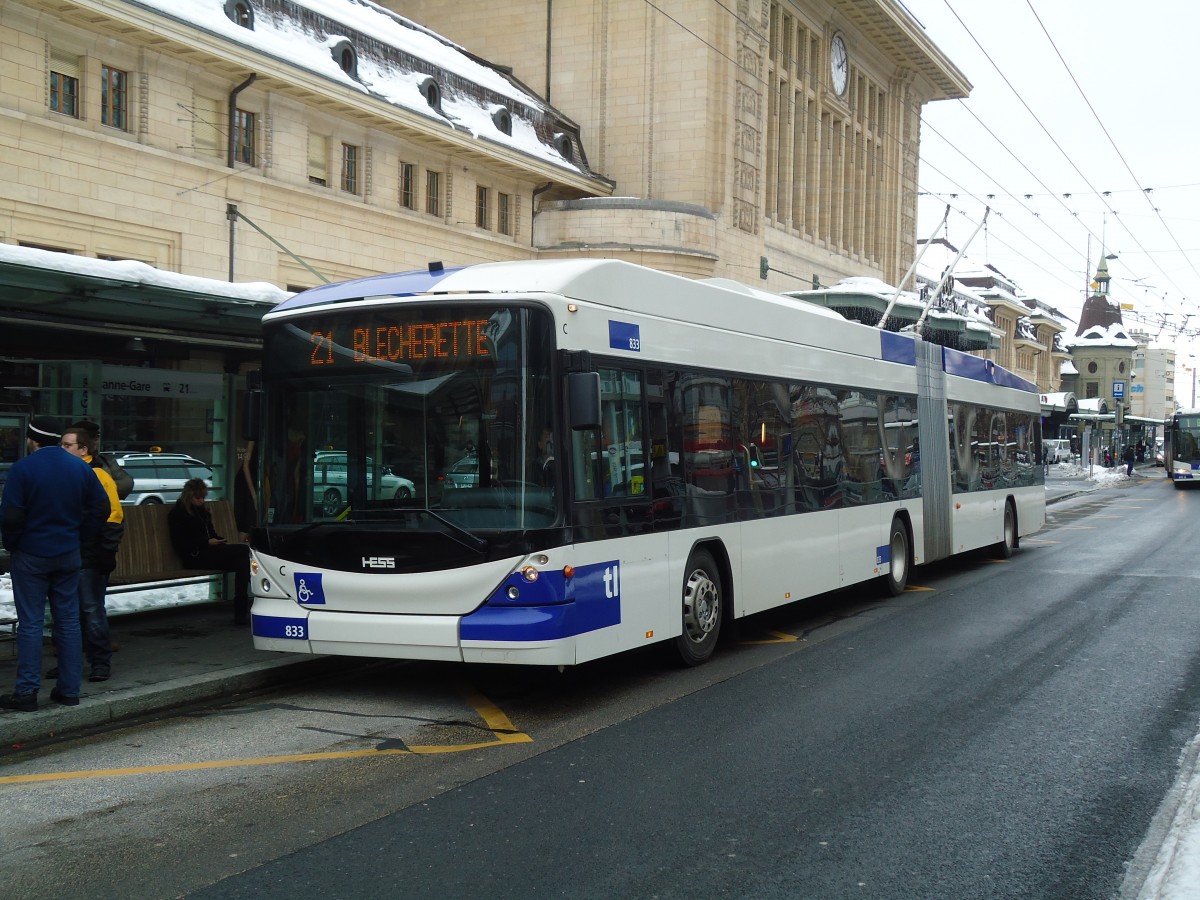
[[1181, 447], [717, 451]]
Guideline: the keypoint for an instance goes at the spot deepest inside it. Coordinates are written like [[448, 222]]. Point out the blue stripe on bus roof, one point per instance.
[[899, 348], [902, 348], [398, 284]]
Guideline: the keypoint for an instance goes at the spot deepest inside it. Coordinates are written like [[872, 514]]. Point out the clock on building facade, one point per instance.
[[839, 65]]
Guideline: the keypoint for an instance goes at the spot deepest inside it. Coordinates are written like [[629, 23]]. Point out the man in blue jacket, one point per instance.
[[52, 505]]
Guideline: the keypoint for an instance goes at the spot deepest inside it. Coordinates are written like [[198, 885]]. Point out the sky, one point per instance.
[[1079, 126]]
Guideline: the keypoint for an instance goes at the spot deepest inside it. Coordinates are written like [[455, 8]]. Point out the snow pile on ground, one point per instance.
[[1098, 475], [127, 602]]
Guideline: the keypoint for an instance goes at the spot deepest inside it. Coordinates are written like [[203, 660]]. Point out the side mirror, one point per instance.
[[583, 399]]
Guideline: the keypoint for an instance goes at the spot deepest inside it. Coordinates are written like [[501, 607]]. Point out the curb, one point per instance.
[[52, 721]]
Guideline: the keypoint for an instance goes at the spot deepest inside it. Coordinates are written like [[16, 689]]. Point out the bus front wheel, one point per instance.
[[703, 607]]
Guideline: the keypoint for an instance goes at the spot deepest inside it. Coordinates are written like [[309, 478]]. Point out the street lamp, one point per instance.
[[1192, 369]]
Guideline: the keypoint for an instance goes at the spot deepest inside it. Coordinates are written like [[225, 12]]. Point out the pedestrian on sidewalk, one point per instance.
[[200, 547], [1129, 457], [52, 506], [99, 557]]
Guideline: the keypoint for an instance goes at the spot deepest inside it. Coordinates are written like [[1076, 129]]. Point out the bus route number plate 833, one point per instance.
[[281, 627]]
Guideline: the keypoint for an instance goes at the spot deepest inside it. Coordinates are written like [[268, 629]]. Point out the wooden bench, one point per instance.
[[146, 555]]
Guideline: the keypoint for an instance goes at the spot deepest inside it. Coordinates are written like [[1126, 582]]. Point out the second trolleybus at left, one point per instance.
[[597, 456]]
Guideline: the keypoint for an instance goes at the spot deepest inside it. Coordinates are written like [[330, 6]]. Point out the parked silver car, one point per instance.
[[160, 477], [330, 480], [464, 473]]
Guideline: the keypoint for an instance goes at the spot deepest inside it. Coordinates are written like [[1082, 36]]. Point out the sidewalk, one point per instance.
[[167, 659]]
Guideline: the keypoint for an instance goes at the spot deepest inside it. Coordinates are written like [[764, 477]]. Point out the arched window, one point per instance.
[[562, 143], [502, 119], [240, 12], [345, 56], [432, 93]]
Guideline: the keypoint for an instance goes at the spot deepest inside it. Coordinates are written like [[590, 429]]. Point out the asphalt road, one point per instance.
[[1008, 734]]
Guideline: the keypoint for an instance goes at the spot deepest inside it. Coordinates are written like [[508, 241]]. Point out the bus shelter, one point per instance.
[[156, 358]]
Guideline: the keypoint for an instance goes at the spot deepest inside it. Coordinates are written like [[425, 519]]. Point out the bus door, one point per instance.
[[613, 513]]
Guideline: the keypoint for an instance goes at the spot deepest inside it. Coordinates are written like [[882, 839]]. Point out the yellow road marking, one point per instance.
[[779, 637], [917, 587], [501, 727]]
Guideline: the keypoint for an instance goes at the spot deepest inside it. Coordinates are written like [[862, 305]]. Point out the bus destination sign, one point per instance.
[[342, 342]]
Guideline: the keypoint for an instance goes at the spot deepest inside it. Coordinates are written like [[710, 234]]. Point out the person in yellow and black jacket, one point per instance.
[[98, 557]]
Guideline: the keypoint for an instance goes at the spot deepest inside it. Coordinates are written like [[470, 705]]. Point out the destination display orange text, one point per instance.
[[463, 339]]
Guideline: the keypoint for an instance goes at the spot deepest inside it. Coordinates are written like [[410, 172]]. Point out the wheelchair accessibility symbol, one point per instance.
[[308, 588]]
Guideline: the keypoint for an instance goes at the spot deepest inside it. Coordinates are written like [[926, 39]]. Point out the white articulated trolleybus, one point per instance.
[[549, 462]]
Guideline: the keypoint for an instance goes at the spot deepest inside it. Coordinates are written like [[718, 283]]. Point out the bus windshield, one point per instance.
[[380, 412], [1185, 439]]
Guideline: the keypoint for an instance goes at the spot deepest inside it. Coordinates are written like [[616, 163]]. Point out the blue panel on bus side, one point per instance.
[[624, 336], [401, 284], [279, 627], [594, 602], [883, 554], [899, 348], [964, 365], [1005, 378], [309, 589]]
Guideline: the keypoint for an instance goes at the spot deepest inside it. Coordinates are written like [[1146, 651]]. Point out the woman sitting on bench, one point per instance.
[[200, 547]]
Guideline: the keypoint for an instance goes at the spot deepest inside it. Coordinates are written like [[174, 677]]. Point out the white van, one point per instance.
[[1056, 450]]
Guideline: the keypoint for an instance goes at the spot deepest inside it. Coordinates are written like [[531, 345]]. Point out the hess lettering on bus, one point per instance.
[[379, 562], [463, 339]]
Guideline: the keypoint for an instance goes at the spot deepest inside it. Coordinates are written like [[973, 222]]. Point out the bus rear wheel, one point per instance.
[[896, 579], [1008, 543], [703, 608]]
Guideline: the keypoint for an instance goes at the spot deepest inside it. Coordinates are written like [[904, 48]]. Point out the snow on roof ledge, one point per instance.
[[138, 273], [394, 70]]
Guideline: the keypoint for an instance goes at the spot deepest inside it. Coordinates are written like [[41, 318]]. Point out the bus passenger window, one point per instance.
[[614, 466]]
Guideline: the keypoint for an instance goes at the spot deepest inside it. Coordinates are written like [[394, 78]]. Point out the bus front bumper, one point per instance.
[[281, 625]]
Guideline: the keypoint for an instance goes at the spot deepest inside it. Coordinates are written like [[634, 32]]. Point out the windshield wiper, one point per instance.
[[458, 533], [305, 530]]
